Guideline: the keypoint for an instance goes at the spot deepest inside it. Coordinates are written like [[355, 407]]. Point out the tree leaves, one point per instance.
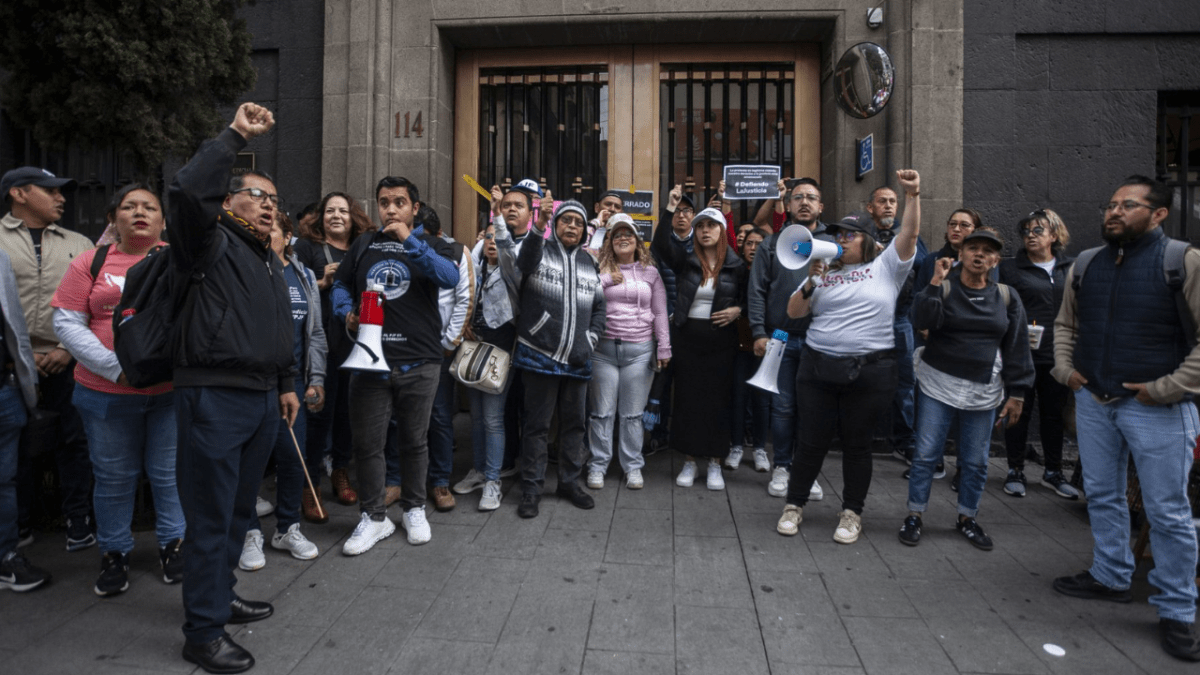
[[143, 76]]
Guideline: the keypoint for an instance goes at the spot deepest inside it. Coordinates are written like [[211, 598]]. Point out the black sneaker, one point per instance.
[[903, 454], [24, 537], [939, 471], [575, 494], [16, 574], [910, 532], [906, 474], [529, 505], [1084, 585], [1055, 480], [79, 533], [1179, 639], [1077, 480], [171, 559], [955, 480], [974, 534], [114, 574]]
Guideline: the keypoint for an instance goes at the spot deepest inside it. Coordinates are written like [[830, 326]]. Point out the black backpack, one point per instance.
[[145, 331]]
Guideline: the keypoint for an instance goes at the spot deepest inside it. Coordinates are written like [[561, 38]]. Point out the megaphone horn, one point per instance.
[[768, 373], [796, 247], [368, 348]]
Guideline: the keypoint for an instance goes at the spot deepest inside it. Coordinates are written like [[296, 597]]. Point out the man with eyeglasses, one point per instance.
[[770, 287], [1127, 348], [233, 377]]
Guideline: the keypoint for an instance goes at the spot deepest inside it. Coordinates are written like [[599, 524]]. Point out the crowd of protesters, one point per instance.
[[600, 345]]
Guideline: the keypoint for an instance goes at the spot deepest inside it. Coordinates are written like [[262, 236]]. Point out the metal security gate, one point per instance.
[[549, 124], [723, 113], [1179, 156]]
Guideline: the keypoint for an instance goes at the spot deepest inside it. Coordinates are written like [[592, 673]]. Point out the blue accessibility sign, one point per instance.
[[866, 155]]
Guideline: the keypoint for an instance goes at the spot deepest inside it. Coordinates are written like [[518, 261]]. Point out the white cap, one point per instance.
[[710, 214]]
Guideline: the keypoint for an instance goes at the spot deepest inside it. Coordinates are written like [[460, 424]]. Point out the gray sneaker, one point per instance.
[[1014, 484], [491, 496], [1055, 480]]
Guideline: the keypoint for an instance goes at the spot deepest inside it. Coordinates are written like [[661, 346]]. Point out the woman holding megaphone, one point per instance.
[[847, 369]]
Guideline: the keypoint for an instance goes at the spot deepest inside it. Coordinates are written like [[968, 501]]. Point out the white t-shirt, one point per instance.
[[854, 308], [702, 304], [1049, 267]]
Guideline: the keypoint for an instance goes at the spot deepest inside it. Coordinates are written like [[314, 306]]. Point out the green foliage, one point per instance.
[[145, 76]]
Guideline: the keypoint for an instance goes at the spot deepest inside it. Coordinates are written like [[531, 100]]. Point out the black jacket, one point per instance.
[[241, 327], [686, 265], [1041, 298]]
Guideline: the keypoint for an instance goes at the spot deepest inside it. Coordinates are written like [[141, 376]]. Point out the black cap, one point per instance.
[[855, 222], [985, 235], [686, 200], [31, 175]]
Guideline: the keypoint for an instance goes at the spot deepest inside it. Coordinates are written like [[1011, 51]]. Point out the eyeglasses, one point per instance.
[[807, 198], [959, 226], [687, 213], [489, 236], [1127, 205], [259, 195], [1035, 231], [845, 235], [623, 235], [571, 220]]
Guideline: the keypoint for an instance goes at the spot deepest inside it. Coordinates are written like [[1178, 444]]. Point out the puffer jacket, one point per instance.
[[676, 256], [1041, 296]]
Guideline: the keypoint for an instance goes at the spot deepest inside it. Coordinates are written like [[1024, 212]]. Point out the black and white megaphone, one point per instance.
[[368, 348], [796, 247], [768, 373]]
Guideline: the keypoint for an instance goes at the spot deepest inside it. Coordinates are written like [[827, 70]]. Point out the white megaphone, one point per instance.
[[796, 247], [368, 348], [768, 372]]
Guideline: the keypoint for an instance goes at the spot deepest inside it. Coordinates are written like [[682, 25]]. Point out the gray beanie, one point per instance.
[[570, 205]]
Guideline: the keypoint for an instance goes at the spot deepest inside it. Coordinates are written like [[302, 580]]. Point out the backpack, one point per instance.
[[145, 332], [1173, 271]]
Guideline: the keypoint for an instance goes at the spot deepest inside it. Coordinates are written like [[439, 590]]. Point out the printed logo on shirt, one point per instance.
[[114, 280], [851, 277], [393, 275]]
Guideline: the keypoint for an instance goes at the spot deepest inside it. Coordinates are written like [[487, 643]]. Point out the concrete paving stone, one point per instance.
[[1136, 635], [897, 647], [507, 535], [628, 618], [572, 545], [1034, 550], [778, 593], [642, 537], [1032, 600], [798, 638], [1087, 650], [569, 579], [98, 633], [482, 588], [657, 493], [600, 662], [331, 583], [277, 647], [718, 640], [428, 566], [984, 644], [568, 517], [807, 669], [749, 495], [371, 634], [858, 594], [710, 572], [765, 549], [833, 557], [651, 581], [543, 634], [919, 563], [703, 512], [430, 655], [954, 599]]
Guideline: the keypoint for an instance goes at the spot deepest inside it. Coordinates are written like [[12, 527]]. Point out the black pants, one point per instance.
[[1051, 397], [543, 395], [70, 452], [225, 438], [850, 411]]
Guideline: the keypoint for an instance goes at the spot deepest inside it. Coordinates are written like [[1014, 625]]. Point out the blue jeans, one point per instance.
[[620, 384], [1160, 440], [127, 432], [783, 404], [487, 429], [748, 399], [289, 472], [441, 428], [903, 436], [12, 420], [974, 441]]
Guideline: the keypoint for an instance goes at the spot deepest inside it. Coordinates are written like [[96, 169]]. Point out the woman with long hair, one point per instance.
[[709, 279], [128, 429], [636, 339], [1037, 274], [847, 374], [325, 236]]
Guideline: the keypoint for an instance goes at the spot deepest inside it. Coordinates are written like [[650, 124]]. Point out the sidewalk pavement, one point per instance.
[[661, 580]]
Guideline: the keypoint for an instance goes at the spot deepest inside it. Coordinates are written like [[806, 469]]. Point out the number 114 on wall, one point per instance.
[[412, 126]]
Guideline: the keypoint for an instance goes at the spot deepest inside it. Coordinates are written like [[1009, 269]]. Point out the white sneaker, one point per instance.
[[417, 527], [633, 480], [295, 543], [762, 463], [252, 553], [779, 481], [687, 476], [715, 480], [327, 464], [473, 481], [595, 479], [815, 493], [849, 527], [491, 496], [789, 522], [367, 534], [734, 458], [264, 507]]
